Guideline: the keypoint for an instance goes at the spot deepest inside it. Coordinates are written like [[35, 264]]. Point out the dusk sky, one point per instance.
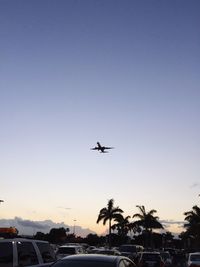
[[124, 73]]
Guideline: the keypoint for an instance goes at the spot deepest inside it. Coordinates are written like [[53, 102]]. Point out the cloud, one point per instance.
[[33, 224], [170, 222], [28, 227], [195, 185], [64, 208]]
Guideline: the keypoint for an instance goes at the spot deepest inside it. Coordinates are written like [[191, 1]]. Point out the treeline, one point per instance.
[[61, 236]]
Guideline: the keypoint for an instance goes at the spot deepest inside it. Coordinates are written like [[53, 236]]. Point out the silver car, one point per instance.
[[67, 250], [193, 259]]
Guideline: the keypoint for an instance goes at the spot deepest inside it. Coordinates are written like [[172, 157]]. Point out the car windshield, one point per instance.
[[66, 250], [76, 263], [195, 257]]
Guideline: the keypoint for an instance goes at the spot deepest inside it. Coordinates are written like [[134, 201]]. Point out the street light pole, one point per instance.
[[74, 227]]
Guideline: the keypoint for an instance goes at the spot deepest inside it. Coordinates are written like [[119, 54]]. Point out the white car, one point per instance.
[[67, 250], [17, 252], [193, 259]]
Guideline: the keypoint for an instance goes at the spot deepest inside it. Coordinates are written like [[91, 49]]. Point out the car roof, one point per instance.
[[194, 253], [128, 245], [69, 246], [93, 257], [150, 252]]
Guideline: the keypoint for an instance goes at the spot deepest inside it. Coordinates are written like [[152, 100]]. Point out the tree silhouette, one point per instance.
[[109, 213], [122, 226], [57, 235], [147, 221], [193, 225]]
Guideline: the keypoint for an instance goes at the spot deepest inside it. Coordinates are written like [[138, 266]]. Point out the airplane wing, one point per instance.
[[101, 148]]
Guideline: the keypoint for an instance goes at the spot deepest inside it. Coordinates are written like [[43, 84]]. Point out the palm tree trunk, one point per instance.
[[109, 235]]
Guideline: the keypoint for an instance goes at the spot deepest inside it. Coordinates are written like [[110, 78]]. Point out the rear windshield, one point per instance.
[[46, 251], [165, 255], [26, 254], [151, 257], [127, 249], [6, 254], [107, 252]]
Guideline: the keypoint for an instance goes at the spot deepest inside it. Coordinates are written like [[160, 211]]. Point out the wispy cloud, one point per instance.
[[195, 185], [172, 222], [169, 223], [64, 208]]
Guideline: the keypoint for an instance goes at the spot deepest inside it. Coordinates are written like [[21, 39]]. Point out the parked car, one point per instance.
[[130, 251], [66, 250], [90, 249], [106, 251], [93, 260], [19, 252], [150, 259], [193, 259]]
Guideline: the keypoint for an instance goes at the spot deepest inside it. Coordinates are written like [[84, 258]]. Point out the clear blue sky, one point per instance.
[[125, 73]]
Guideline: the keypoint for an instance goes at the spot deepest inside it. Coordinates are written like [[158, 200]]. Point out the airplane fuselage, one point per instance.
[[101, 148]]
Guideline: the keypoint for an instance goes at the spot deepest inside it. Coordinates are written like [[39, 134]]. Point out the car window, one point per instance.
[[195, 257], [6, 254], [46, 251], [26, 254]]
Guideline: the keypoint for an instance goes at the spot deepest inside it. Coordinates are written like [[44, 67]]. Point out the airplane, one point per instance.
[[100, 148]]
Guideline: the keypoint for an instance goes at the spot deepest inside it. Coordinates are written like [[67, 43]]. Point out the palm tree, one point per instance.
[[121, 225], [147, 220], [109, 213], [193, 225], [135, 228]]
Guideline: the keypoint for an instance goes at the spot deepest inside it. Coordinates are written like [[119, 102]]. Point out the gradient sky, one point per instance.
[[125, 73]]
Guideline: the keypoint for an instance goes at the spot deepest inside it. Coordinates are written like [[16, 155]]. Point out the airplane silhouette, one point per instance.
[[101, 148]]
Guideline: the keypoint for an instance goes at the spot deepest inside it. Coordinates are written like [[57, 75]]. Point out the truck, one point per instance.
[[21, 252]]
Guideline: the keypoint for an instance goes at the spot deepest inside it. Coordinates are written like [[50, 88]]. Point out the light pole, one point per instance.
[[74, 226]]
